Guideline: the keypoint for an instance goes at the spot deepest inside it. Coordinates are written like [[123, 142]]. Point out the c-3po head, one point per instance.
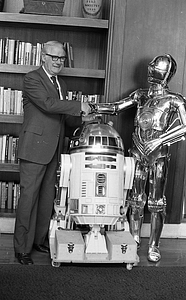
[[161, 69]]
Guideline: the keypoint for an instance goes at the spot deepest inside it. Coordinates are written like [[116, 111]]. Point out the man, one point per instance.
[[45, 113], [154, 131]]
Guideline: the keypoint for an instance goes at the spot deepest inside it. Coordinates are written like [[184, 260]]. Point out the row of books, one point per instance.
[[9, 194], [11, 101], [8, 149], [79, 96], [19, 52], [25, 53]]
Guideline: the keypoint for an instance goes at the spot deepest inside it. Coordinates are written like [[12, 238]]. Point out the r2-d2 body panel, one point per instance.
[[96, 188]]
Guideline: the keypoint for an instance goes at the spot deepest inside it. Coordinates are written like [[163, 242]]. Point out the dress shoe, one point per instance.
[[24, 258], [41, 248]]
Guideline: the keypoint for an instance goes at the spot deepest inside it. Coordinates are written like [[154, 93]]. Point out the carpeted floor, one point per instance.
[[91, 282]]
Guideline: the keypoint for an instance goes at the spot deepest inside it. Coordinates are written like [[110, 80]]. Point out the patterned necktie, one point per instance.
[[55, 84]]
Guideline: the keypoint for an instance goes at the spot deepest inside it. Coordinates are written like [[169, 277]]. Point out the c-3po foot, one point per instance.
[[154, 254]]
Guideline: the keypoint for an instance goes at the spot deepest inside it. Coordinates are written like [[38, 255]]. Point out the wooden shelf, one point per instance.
[[74, 72], [53, 20], [8, 213], [14, 119], [8, 167]]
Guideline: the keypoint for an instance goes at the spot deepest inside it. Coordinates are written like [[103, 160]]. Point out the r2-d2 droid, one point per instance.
[[92, 185]]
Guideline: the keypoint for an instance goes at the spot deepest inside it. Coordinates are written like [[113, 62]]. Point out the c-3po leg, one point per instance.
[[137, 200], [157, 205]]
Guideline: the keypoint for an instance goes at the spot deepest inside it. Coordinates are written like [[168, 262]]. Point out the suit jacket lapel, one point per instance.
[[50, 84]]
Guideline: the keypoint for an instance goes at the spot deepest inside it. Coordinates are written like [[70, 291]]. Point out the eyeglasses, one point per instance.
[[55, 57]]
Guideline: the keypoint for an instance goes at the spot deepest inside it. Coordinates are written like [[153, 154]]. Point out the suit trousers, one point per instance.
[[34, 211]]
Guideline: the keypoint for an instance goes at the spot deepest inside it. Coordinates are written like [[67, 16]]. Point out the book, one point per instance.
[[16, 149], [71, 56], [28, 53], [10, 145], [33, 55], [21, 53], [19, 104], [6, 44], [69, 93], [66, 60], [3, 147], [16, 195], [16, 52], [68, 52], [79, 96], [11, 49], [7, 93], [4, 194], [12, 102], [13, 152], [1, 49], [9, 194], [38, 54], [6, 148], [1, 99]]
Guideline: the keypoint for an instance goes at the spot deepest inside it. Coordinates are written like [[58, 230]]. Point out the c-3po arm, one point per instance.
[[115, 107]]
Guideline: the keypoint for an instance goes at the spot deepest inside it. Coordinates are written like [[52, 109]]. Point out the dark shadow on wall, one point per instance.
[[125, 119], [1, 5]]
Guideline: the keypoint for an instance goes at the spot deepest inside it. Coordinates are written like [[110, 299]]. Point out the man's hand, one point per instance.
[[90, 117], [85, 108]]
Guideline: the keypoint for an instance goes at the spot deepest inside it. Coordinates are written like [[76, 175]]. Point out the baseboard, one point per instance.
[[169, 230]]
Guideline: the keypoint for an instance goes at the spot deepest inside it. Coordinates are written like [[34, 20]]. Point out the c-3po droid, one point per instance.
[[92, 185]]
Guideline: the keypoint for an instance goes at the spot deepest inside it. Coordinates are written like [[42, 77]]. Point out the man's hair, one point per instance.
[[47, 45]]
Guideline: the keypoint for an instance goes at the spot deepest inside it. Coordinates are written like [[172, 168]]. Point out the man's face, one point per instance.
[[54, 59]]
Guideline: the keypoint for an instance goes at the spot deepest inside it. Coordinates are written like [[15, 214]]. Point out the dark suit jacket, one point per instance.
[[44, 117]]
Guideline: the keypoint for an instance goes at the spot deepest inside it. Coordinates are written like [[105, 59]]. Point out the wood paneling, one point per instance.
[[142, 30]]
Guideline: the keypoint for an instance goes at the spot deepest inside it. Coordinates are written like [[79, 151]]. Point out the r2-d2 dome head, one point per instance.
[[161, 69]]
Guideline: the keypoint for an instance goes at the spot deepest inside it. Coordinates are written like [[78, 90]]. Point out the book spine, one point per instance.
[[11, 50], [28, 49], [1, 99], [6, 50], [4, 195], [10, 195], [68, 55], [16, 53]]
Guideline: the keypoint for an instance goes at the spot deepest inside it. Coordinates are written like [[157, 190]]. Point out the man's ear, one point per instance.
[[43, 57]]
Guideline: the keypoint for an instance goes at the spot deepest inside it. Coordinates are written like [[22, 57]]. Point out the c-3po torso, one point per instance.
[[155, 116]]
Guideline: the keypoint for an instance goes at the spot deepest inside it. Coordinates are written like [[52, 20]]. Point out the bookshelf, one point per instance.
[[90, 39]]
